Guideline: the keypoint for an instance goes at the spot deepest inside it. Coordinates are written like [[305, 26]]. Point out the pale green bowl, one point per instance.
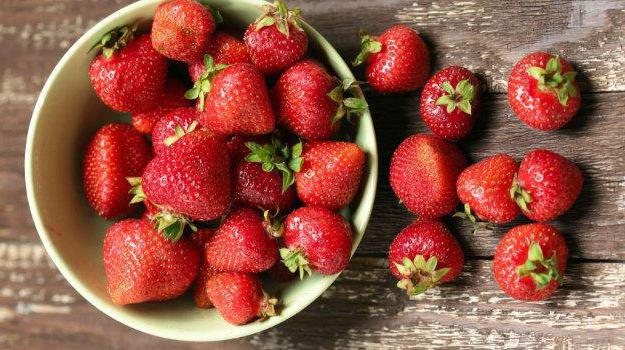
[[66, 114]]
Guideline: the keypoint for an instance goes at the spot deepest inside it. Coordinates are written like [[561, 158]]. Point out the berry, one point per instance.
[[255, 187], [542, 91], [173, 97], [423, 174], [172, 127], [423, 255], [238, 150], [530, 261], [397, 61], [225, 49], [115, 152], [449, 102]]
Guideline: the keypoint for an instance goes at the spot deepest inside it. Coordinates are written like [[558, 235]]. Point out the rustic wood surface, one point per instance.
[[39, 310]]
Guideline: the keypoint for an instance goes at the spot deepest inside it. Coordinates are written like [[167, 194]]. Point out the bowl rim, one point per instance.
[[59, 261]]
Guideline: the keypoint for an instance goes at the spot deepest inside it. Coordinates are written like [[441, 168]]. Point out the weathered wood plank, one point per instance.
[[363, 308]]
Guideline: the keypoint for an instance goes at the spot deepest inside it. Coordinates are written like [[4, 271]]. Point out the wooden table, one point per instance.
[[39, 310]]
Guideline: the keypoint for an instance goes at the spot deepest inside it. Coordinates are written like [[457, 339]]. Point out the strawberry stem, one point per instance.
[[419, 274], [179, 132], [536, 260], [114, 40], [520, 195], [279, 15], [203, 85], [552, 79], [268, 306], [469, 216], [461, 96], [294, 260], [368, 45], [349, 106], [277, 156]]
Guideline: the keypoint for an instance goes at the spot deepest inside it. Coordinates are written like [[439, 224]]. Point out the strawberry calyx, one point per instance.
[[542, 271], [277, 155], [268, 307], [279, 15], [295, 260], [179, 132], [520, 195], [203, 85], [552, 79], [419, 274], [348, 106], [136, 190], [114, 40], [466, 214], [369, 45], [171, 226], [459, 97], [273, 223]]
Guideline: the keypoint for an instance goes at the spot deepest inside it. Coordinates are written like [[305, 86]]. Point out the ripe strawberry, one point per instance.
[[129, 75], [424, 255], [239, 297], [225, 49], [181, 29], [173, 97], [310, 102], [151, 211], [189, 180], [449, 102], [115, 152], [275, 41], [542, 91], [330, 174], [397, 61], [233, 99], [423, 174], [238, 150], [255, 187], [484, 188], [548, 185], [530, 261], [316, 239], [241, 244], [141, 265], [205, 272], [172, 127], [201, 236]]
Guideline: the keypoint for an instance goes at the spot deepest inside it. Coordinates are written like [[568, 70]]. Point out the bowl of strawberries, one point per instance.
[[201, 171]]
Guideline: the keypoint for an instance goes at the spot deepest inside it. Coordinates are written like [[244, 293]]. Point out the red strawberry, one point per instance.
[[237, 148], [205, 272], [485, 187], [115, 152], [542, 91], [173, 97], [225, 49], [241, 244], [316, 239], [255, 187], [201, 236], [423, 174], [449, 102], [330, 174], [239, 297], [530, 261], [233, 100], [275, 41], [397, 61], [151, 211], [310, 102], [423, 255], [190, 179], [141, 265], [172, 127], [181, 29], [129, 75], [548, 185]]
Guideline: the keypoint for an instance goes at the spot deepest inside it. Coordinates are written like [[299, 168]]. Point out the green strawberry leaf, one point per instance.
[[368, 46], [552, 79]]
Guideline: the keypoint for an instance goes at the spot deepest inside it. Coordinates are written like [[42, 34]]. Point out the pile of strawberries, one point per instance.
[[247, 181], [430, 176]]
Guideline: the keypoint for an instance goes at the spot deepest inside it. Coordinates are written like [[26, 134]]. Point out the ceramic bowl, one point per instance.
[[66, 115]]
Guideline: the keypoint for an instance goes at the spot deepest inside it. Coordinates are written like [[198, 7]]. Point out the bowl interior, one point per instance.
[[65, 116]]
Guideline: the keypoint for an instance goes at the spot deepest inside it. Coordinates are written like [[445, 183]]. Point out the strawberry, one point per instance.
[[172, 127], [141, 265], [330, 174], [280, 273], [181, 29], [547, 185], [239, 297], [233, 99], [201, 236], [225, 49], [173, 97], [542, 91], [189, 180], [530, 261], [316, 239], [258, 188], [241, 244], [237, 148], [129, 75], [449, 102], [151, 210], [309, 101], [423, 255], [484, 188], [275, 41], [205, 272], [423, 174], [115, 152], [397, 61]]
